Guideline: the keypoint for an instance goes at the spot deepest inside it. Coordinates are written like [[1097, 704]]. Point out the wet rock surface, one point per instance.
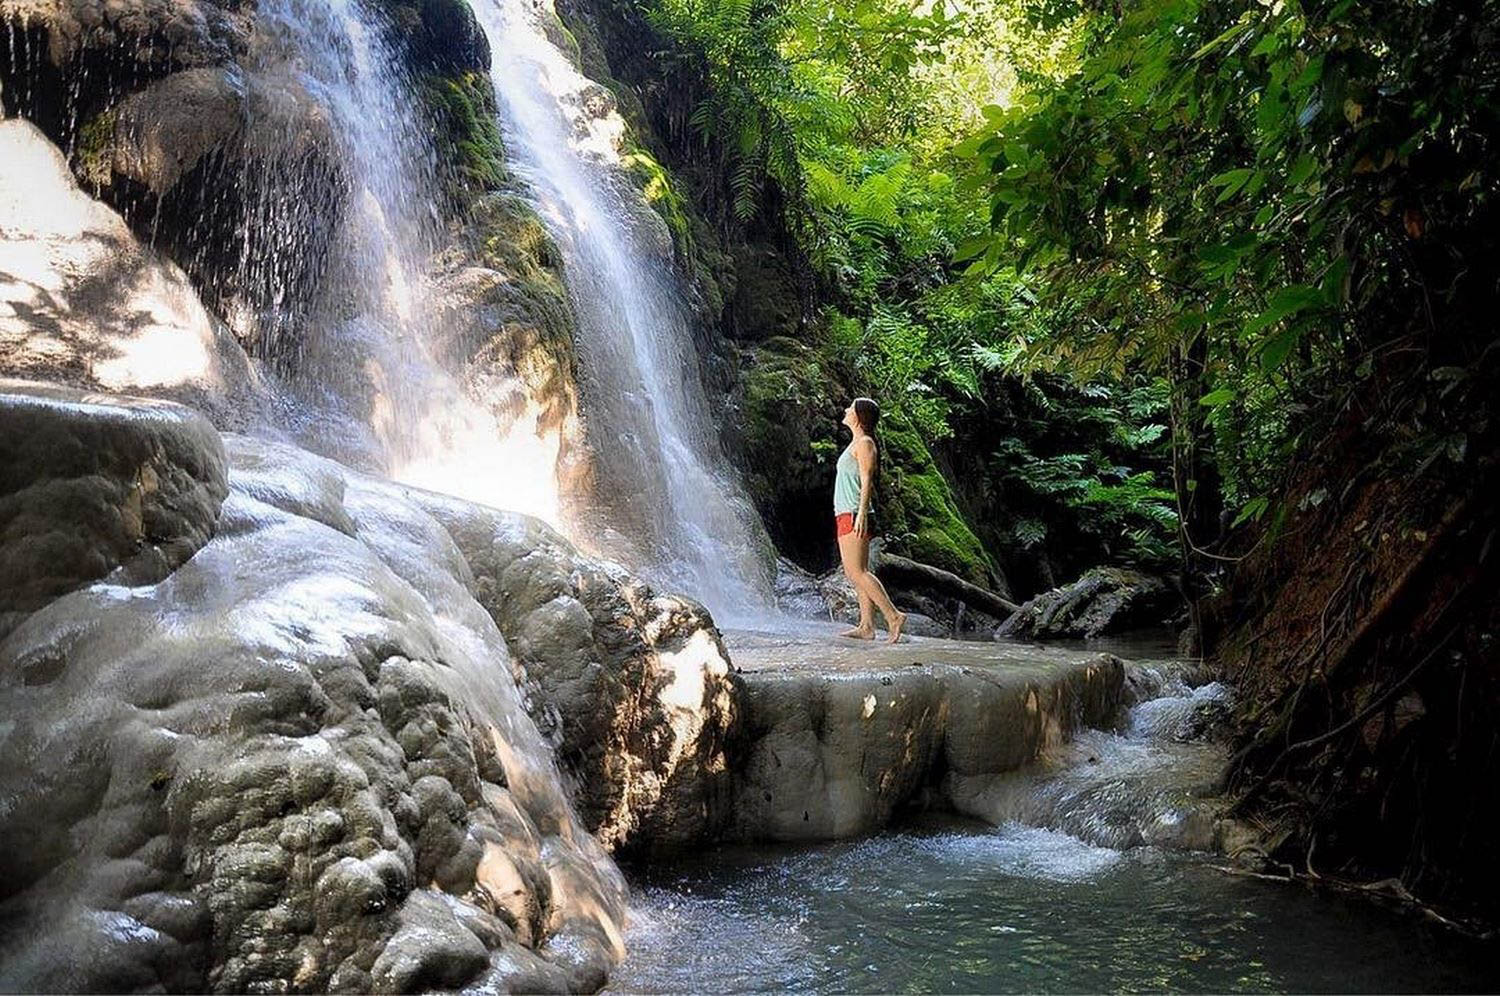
[[300, 758], [1153, 777], [94, 486], [840, 734], [633, 687]]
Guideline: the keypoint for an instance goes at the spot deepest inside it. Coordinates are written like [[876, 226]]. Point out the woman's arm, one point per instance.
[[864, 454]]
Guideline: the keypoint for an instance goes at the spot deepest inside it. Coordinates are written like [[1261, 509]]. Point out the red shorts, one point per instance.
[[843, 523]]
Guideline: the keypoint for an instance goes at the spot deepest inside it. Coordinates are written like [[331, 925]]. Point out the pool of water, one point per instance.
[[1014, 909]]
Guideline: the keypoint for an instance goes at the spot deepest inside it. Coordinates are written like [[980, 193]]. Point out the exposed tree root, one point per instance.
[[1366, 643], [1388, 890]]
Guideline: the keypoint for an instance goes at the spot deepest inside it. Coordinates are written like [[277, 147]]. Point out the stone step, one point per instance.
[[838, 735]]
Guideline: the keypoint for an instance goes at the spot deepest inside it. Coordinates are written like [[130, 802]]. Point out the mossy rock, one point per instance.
[[766, 301], [580, 38], [790, 436], [788, 440], [656, 185], [507, 236], [93, 159], [560, 34], [463, 111], [918, 512]]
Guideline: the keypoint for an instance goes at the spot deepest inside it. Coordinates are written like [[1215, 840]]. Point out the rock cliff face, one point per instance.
[[82, 302], [301, 757]]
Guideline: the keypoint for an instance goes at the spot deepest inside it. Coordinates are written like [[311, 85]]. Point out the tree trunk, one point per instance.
[[1195, 474]]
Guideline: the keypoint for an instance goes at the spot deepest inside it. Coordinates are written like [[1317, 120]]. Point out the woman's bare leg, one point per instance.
[[849, 554], [894, 618], [870, 588]]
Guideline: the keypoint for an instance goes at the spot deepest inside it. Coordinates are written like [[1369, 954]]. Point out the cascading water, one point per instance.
[[349, 341], [662, 480]]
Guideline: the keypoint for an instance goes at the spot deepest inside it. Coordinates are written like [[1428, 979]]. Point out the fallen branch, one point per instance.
[[1389, 889], [910, 573]]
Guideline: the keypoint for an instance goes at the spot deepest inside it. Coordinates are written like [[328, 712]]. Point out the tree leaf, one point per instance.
[[1252, 509], [1284, 303], [1217, 398], [1275, 351]]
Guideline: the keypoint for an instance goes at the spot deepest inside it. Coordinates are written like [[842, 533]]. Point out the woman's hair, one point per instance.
[[868, 413]]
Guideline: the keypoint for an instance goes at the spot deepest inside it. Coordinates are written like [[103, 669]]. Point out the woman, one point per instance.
[[853, 491]]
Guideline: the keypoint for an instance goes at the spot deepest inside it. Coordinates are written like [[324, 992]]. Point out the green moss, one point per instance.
[[656, 186], [560, 34], [918, 511], [513, 241], [463, 110], [94, 155]]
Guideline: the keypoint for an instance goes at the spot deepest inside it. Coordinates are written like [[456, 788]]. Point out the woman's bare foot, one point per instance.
[[895, 626], [860, 632]]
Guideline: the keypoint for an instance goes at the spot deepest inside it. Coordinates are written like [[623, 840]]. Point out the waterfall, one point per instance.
[[345, 321], [667, 501], [350, 344]]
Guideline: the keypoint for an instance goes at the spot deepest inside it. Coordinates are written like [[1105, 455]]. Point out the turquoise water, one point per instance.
[[1014, 909]]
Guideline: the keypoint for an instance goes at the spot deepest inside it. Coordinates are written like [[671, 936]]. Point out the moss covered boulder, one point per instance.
[[919, 512], [507, 327], [787, 439]]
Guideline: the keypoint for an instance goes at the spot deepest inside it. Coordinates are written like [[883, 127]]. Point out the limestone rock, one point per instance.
[[95, 486], [154, 35], [1104, 600], [298, 759], [163, 132], [84, 303], [634, 687], [838, 737]]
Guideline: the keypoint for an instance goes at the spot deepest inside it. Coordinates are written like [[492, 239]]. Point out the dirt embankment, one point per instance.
[[1363, 636]]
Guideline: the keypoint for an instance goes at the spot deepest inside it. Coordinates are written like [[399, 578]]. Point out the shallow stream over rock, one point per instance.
[[1013, 909], [1082, 884], [1082, 878]]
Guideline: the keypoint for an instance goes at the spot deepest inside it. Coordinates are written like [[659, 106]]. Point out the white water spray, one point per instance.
[[364, 385]]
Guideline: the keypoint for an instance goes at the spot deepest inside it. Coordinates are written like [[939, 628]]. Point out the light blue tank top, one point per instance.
[[846, 483]]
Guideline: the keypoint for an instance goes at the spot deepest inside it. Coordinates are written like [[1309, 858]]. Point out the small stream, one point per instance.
[[1078, 882]]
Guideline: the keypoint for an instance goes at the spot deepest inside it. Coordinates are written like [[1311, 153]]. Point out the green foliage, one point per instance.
[[1265, 185], [1094, 450], [853, 112]]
